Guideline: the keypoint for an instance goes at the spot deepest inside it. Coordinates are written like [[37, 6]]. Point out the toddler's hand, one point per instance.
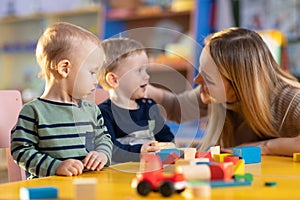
[[149, 147], [95, 160], [70, 167]]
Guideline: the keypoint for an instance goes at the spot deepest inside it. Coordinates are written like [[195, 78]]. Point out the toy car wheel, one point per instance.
[[167, 188], [143, 188], [179, 191]]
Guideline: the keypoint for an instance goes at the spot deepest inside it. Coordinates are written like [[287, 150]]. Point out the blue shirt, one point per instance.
[[129, 129]]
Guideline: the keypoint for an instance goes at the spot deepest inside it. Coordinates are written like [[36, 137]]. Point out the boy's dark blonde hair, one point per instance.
[[115, 50], [58, 42]]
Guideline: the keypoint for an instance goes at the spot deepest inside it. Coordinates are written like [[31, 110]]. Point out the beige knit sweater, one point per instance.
[[285, 108]]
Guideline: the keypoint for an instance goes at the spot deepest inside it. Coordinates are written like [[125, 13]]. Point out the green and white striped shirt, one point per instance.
[[49, 132]]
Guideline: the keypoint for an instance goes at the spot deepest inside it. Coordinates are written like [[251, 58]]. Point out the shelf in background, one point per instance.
[[41, 16], [135, 16]]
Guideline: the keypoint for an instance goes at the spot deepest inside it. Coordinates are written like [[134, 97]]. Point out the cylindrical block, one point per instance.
[[200, 190], [196, 172]]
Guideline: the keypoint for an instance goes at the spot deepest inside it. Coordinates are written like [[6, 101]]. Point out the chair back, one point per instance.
[[10, 107]]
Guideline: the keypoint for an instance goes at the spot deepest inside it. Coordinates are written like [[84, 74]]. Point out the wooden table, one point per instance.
[[115, 183]]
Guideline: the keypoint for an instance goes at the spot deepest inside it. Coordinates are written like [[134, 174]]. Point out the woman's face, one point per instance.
[[215, 88]]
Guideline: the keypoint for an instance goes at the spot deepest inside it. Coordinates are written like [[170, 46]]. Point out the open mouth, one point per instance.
[[143, 86]]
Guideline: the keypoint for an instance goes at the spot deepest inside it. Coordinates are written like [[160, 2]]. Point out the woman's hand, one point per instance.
[[262, 144]]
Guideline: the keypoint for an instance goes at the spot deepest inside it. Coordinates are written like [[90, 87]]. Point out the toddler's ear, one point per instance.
[[112, 79], [63, 68]]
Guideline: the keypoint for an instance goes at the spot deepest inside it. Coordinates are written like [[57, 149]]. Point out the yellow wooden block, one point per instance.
[[296, 157], [239, 168], [182, 162], [220, 157]]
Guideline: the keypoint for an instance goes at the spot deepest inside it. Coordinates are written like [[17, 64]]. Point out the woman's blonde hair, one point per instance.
[[244, 59], [115, 50], [59, 42]]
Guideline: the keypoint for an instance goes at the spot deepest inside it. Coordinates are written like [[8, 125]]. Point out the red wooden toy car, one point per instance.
[[152, 178]]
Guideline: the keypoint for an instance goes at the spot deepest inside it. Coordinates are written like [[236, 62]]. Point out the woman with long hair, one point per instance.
[[251, 100]]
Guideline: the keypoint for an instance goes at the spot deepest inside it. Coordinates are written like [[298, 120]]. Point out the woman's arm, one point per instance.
[[281, 146], [278, 146], [186, 106]]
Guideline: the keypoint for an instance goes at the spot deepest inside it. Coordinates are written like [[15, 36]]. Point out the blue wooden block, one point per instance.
[[164, 153], [216, 184], [203, 163], [251, 154], [38, 193]]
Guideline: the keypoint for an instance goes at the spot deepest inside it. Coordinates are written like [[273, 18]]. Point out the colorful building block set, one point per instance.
[[195, 172]]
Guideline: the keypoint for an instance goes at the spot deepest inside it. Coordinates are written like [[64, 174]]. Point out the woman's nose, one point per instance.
[[198, 79], [146, 76]]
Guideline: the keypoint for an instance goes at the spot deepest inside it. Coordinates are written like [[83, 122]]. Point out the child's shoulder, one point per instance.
[[31, 106], [33, 103], [105, 104]]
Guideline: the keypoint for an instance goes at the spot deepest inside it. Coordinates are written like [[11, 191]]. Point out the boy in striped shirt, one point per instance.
[[60, 133]]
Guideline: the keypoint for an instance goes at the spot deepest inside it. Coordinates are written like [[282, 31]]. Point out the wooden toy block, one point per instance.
[[171, 158], [183, 162], [215, 150], [296, 157], [204, 155], [270, 184], [239, 168], [180, 162], [245, 177], [233, 159], [251, 154], [220, 157], [165, 145], [231, 183], [189, 153], [164, 153], [197, 190], [38, 193], [197, 160], [221, 171], [196, 172], [203, 163], [85, 188]]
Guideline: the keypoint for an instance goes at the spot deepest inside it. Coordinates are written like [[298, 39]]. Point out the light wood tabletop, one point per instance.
[[115, 183]]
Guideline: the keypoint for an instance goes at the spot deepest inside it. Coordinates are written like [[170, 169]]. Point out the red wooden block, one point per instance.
[[221, 171], [204, 155], [233, 159], [171, 158]]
